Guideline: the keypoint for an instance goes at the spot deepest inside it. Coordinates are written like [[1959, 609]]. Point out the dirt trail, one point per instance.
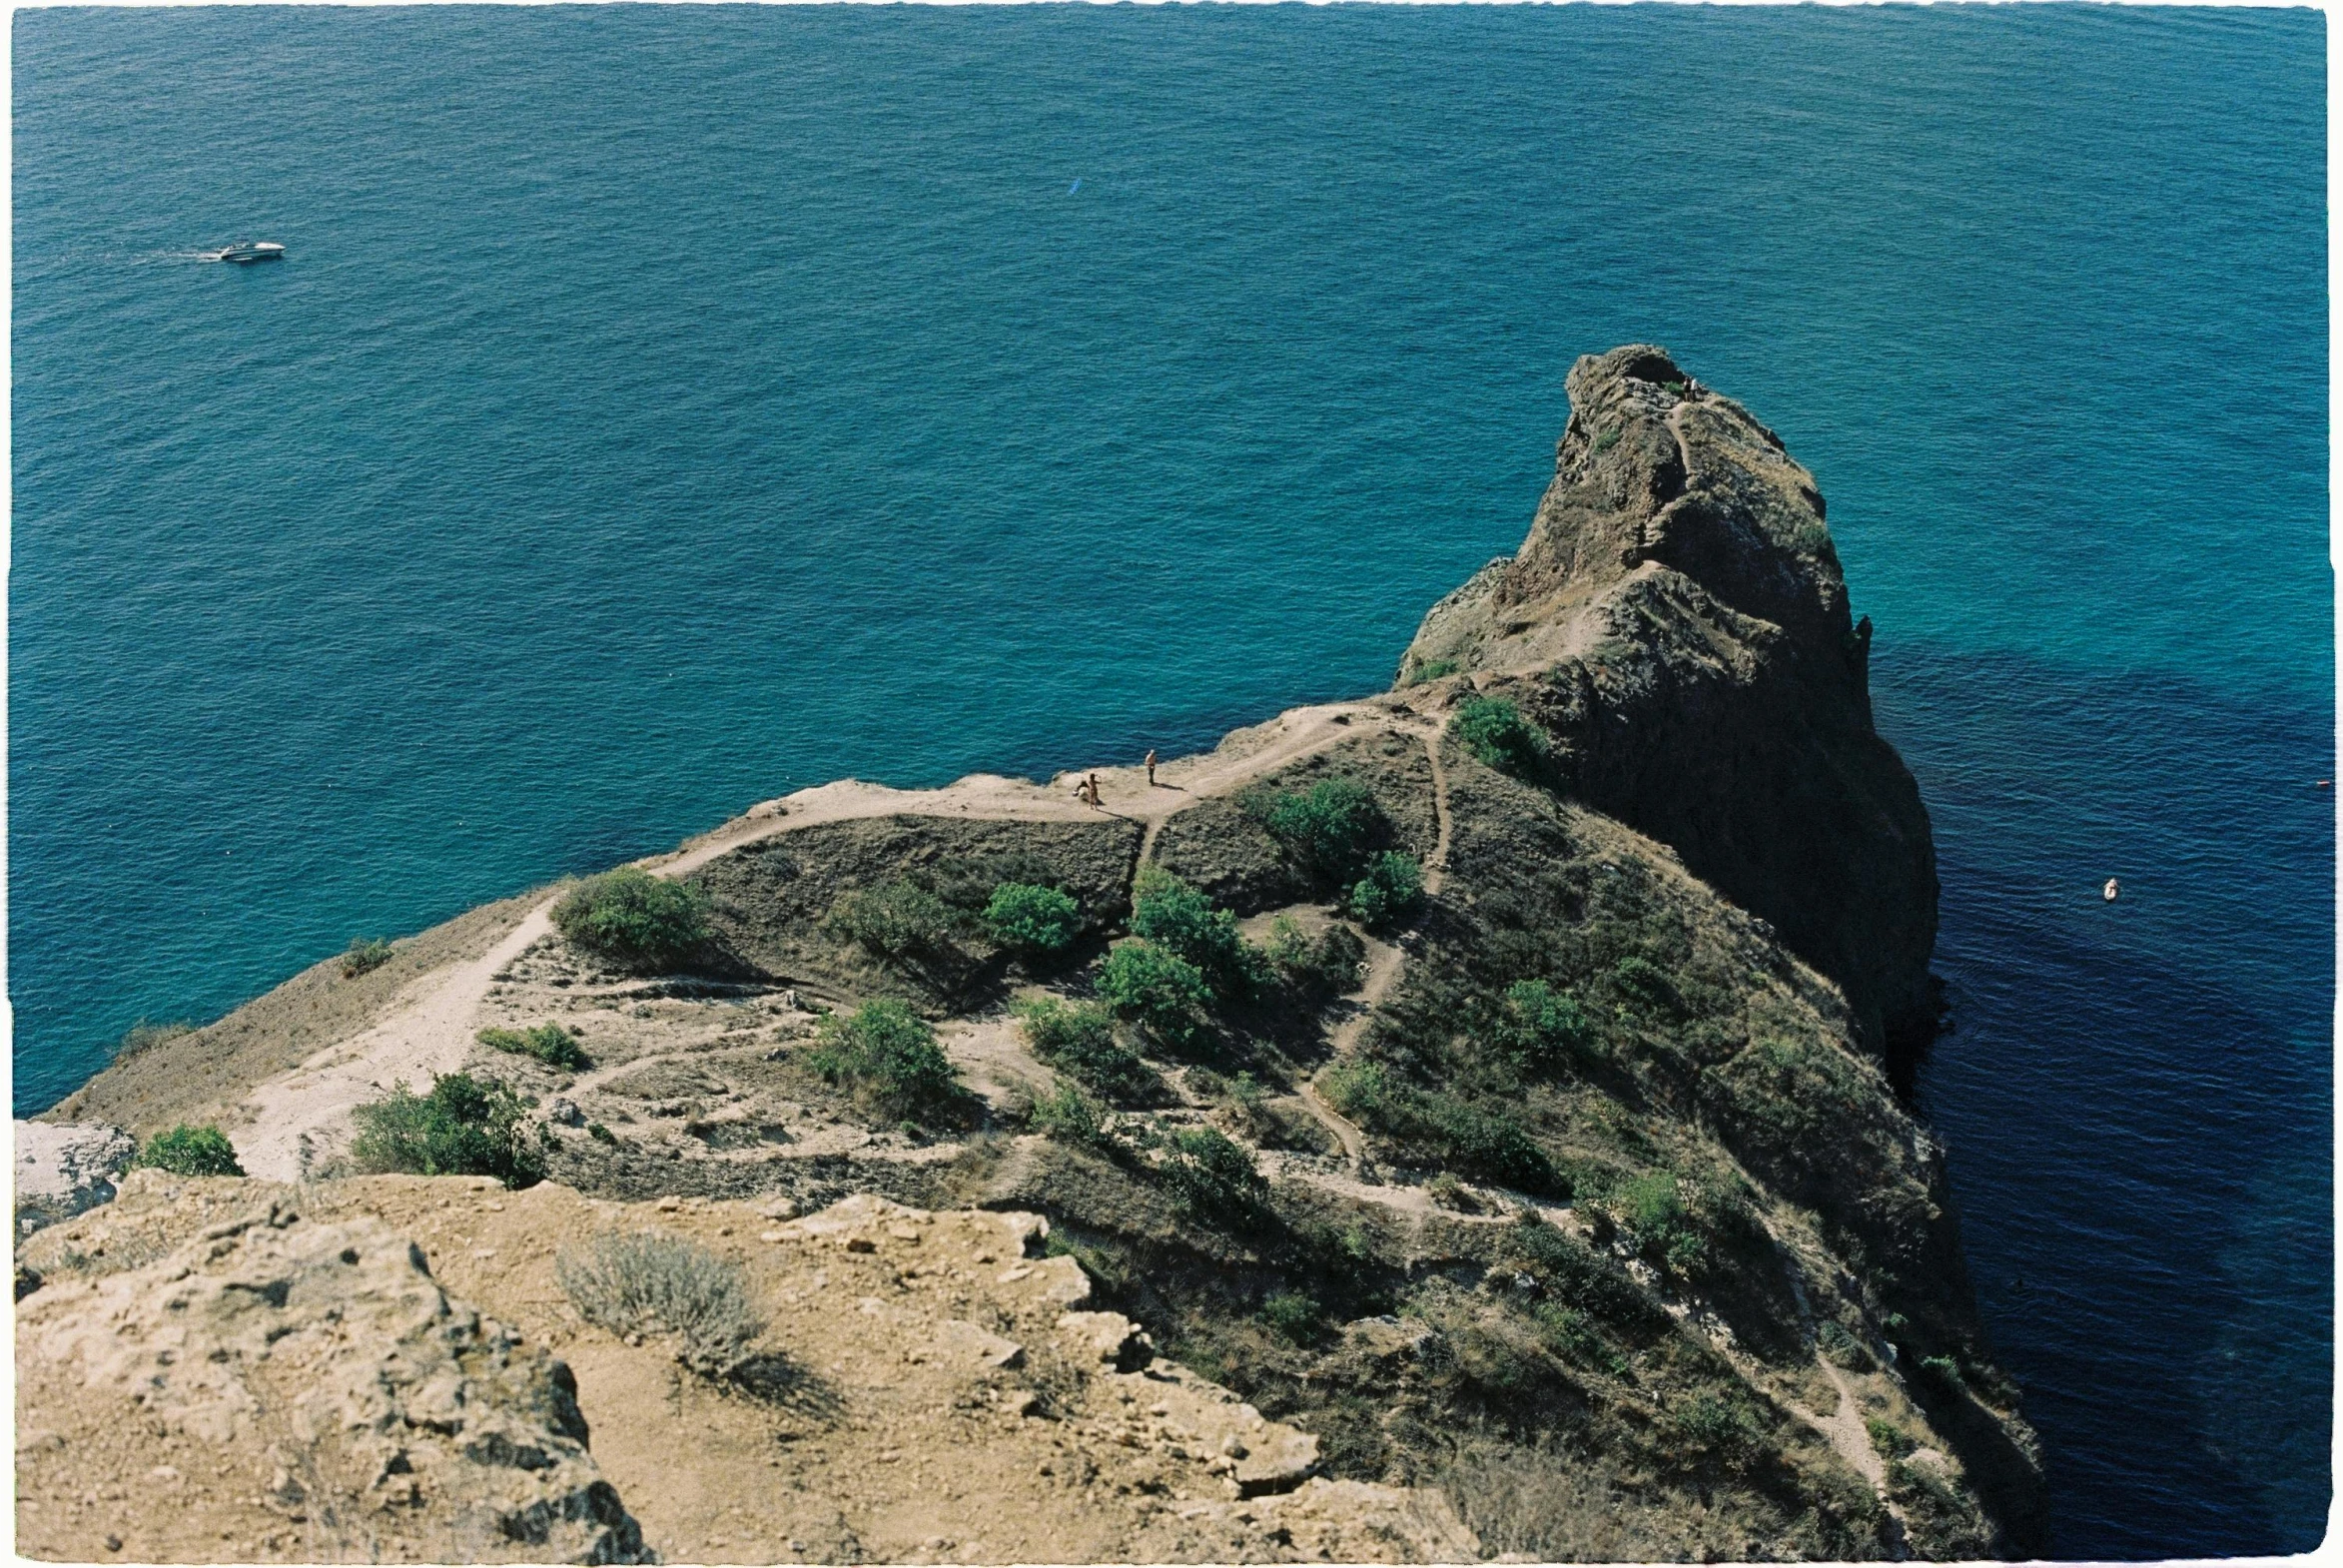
[[1384, 962], [292, 1123], [1844, 1428]]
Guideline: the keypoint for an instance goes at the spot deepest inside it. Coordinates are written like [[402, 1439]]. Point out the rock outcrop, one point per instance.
[[1677, 622], [294, 1388], [278, 1375], [63, 1169]]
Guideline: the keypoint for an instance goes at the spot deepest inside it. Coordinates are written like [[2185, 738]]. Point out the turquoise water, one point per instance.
[[665, 409]]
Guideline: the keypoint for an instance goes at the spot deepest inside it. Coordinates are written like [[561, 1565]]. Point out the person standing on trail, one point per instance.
[[1094, 790], [1150, 767]]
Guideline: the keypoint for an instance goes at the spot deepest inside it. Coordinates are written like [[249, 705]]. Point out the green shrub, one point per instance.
[[547, 1042], [634, 920], [1541, 1030], [1391, 890], [600, 1134], [888, 1055], [1642, 981], [1943, 1373], [190, 1152], [1177, 918], [1717, 1429], [663, 1284], [1329, 828], [1213, 1179], [1078, 1039], [1296, 1316], [1606, 441], [1493, 730], [1431, 669], [364, 955], [143, 1035], [1157, 990], [1579, 1278], [1842, 1348], [1317, 970], [1892, 1441], [1032, 920], [1488, 1144], [895, 919], [463, 1127], [1067, 1114], [1573, 1335], [1651, 1207], [1480, 1142]]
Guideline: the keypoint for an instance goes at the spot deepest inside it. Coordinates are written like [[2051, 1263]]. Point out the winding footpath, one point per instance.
[[289, 1125]]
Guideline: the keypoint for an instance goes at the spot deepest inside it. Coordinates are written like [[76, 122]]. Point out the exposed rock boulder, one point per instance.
[[61, 1170], [311, 1387], [1677, 623]]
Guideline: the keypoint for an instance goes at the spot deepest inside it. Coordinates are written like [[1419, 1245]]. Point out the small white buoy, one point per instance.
[[2109, 891]]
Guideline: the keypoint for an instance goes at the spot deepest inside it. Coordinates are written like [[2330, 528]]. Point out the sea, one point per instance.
[[661, 408]]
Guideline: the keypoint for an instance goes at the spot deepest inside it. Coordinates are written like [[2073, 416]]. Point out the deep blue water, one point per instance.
[[663, 409]]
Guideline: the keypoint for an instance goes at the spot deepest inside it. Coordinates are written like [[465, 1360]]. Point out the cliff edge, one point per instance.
[[1677, 623]]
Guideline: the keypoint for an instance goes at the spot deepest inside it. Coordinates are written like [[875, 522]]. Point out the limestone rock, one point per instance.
[[1107, 1337], [63, 1170], [327, 1356]]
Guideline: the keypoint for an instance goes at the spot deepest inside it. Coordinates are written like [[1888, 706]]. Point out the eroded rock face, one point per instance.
[[63, 1170], [1678, 624], [355, 1407], [278, 1375]]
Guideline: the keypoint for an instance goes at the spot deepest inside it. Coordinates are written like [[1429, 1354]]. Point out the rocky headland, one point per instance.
[[1453, 1123]]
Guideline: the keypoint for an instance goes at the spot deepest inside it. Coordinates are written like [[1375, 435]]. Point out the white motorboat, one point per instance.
[[252, 251]]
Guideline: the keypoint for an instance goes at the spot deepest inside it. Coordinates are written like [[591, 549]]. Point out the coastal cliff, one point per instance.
[[1474, 1096], [1677, 623]]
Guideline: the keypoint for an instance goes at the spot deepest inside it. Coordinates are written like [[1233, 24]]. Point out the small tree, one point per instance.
[[634, 920], [1167, 912], [1493, 730], [463, 1127], [364, 955], [1078, 1039], [1038, 921], [1157, 990], [1542, 1029], [1328, 828], [1213, 1179], [895, 919], [1391, 890], [1325, 968], [888, 1055], [190, 1152]]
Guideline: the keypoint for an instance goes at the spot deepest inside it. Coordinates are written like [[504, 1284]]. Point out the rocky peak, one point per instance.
[[1677, 623]]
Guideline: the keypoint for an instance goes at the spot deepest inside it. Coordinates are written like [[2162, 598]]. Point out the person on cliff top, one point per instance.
[[1150, 767]]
